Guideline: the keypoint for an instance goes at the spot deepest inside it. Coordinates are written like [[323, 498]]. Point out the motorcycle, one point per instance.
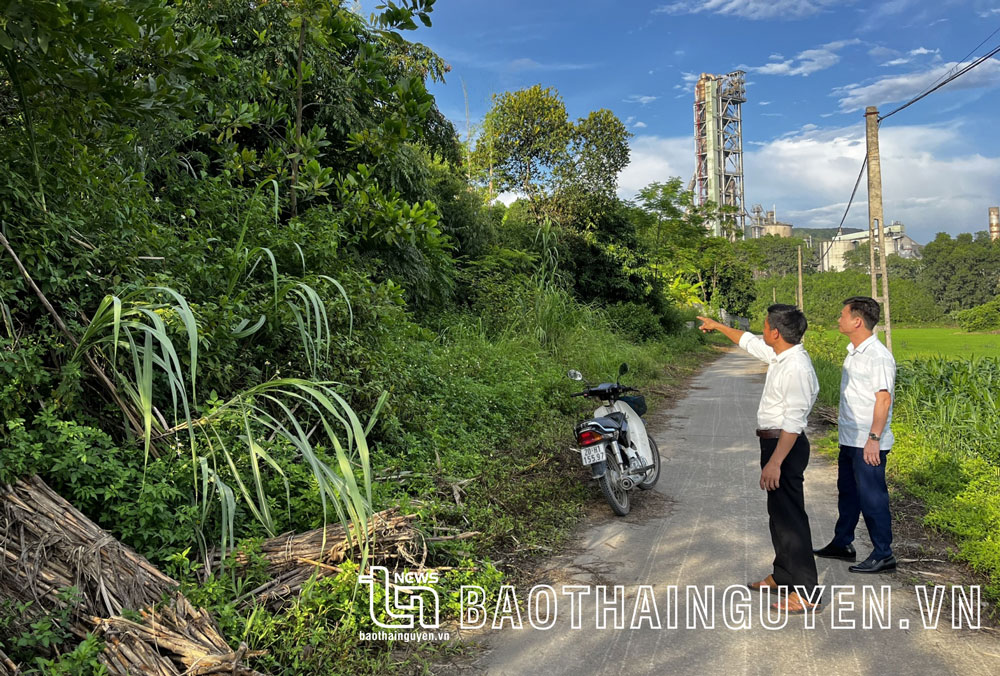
[[614, 443]]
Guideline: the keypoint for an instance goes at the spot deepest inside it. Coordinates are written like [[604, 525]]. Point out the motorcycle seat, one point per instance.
[[614, 420]]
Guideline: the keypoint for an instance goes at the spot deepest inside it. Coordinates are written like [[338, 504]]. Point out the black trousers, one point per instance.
[[793, 555]]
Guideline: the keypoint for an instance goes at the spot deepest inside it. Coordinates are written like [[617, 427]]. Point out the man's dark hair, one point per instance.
[[789, 321], [865, 307]]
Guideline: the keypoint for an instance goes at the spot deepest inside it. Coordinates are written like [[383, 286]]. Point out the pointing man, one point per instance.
[[866, 388], [790, 390]]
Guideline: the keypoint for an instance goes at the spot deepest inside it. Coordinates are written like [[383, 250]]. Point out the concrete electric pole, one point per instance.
[[802, 304], [876, 228]]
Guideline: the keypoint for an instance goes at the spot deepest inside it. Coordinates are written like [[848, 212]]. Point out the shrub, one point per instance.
[[985, 317], [636, 322]]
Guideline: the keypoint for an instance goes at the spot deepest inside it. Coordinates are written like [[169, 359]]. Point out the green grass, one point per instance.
[[933, 342]]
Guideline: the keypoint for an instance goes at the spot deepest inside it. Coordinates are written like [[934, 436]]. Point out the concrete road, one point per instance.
[[705, 524]]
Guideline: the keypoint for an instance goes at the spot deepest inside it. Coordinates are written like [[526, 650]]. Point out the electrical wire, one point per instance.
[[938, 86], [960, 61], [933, 87], [840, 228]]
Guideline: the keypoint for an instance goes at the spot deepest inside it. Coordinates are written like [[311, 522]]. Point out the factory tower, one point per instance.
[[718, 133]]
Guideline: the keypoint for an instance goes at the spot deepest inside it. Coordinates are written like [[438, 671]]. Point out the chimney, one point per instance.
[[994, 223]]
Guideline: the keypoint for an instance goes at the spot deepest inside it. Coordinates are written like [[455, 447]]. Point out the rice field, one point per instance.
[[948, 342]]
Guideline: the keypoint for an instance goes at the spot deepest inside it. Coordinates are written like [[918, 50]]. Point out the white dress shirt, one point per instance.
[[790, 388], [868, 368]]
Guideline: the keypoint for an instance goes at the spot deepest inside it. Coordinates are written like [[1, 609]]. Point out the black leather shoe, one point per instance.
[[871, 565], [833, 552]]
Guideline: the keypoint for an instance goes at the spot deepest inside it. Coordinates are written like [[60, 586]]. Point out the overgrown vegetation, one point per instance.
[[251, 282], [247, 287]]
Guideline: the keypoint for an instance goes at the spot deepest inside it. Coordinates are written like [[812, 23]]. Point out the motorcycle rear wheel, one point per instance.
[[654, 474], [610, 483]]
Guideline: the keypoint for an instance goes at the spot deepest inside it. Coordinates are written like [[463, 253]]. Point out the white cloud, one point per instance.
[[896, 88], [775, 57], [750, 9], [688, 80], [763, 103], [880, 52], [806, 62], [989, 13], [919, 51], [639, 125], [809, 175], [655, 158], [643, 100], [896, 62]]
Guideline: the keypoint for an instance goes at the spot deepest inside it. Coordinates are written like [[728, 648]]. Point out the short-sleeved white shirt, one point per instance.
[[790, 387], [868, 368]]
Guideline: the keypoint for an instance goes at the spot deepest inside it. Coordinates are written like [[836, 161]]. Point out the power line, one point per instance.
[[933, 89], [840, 228], [961, 61]]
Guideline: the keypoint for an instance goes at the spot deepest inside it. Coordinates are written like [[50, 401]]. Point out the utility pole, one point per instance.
[[876, 228], [802, 304]]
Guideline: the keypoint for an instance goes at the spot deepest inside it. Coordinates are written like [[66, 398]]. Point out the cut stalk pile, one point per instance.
[[48, 546], [294, 558], [175, 639]]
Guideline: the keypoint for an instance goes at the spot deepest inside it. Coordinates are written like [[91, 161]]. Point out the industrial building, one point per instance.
[[994, 223], [897, 242], [765, 223], [718, 131]]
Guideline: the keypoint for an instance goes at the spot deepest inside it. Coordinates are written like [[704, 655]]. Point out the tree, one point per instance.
[[773, 256], [962, 272], [598, 152], [525, 142], [727, 281]]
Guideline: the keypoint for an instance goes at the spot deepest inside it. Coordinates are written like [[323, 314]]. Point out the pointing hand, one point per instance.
[[708, 324]]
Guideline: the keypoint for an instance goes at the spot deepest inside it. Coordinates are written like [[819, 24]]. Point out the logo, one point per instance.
[[404, 601]]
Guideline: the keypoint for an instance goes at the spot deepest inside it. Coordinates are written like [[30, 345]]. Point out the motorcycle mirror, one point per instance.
[[622, 370], [574, 375]]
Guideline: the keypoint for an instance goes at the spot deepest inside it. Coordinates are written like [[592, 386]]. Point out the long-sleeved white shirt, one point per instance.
[[790, 387], [868, 368]]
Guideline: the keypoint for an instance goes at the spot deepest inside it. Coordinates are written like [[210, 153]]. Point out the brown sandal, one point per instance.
[[766, 582]]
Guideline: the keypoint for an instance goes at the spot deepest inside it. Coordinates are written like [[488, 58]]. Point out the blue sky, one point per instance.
[[812, 66]]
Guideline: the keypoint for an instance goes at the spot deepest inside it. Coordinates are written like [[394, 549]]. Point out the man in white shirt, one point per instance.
[[866, 394], [790, 390]]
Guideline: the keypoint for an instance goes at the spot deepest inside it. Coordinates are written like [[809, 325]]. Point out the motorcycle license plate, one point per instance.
[[592, 454]]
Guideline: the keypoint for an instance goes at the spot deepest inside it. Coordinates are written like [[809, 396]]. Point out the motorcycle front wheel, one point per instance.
[[611, 485], [653, 475]]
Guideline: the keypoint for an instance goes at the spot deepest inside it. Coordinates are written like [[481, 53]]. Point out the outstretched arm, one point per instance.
[[754, 345], [708, 325]]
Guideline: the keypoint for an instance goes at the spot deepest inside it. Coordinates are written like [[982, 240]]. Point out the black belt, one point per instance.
[[769, 434]]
